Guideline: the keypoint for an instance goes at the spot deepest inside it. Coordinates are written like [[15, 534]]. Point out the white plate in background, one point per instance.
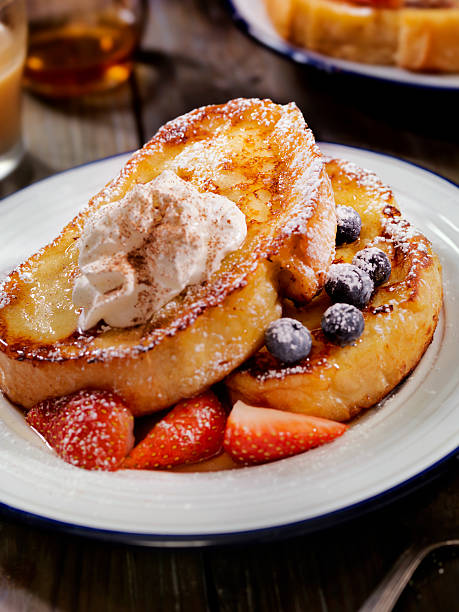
[[252, 18]]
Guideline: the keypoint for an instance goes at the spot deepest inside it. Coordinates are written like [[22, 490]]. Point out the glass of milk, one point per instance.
[[13, 34]]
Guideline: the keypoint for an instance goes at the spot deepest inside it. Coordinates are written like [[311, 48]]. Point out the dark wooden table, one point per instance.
[[193, 55]]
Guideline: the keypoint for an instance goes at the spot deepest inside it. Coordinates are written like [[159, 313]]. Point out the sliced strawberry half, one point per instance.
[[192, 431], [258, 435], [91, 429]]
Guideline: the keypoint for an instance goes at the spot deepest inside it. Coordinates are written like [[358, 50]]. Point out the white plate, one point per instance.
[[417, 427], [252, 17]]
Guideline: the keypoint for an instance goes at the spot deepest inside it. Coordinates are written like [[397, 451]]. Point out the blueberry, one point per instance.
[[349, 284], [288, 340], [349, 225], [342, 324], [375, 263]]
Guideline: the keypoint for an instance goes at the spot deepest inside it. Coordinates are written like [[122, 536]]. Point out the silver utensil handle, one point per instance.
[[384, 598]]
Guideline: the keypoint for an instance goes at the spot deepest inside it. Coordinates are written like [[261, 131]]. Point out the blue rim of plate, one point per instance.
[[297, 528], [325, 63], [286, 530]]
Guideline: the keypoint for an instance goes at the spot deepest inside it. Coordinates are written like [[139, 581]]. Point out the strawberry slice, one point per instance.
[[258, 435], [91, 429], [192, 431]]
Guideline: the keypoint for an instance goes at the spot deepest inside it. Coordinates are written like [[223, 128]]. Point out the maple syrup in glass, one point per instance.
[[80, 51]]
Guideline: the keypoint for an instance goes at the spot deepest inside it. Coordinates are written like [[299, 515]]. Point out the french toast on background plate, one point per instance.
[[258, 154], [422, 35]]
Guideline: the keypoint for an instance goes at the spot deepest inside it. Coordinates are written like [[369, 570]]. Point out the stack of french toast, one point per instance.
[[419, 35], [330, 302]]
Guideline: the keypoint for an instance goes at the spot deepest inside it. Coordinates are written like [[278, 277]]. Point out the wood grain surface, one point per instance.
[[191, 54]]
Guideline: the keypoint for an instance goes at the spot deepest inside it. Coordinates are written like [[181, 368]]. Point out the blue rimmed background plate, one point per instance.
[[392, 444], [252, 18]]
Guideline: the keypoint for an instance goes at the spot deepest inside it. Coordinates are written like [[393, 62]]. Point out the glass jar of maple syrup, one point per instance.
[[80, 46]]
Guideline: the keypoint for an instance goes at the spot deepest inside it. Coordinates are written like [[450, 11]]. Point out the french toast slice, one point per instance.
[[280, 12], [346, 31], [418, 35], [260, 155], [337, 382], [429, 39]]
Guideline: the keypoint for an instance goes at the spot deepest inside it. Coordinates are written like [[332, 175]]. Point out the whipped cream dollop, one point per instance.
[[136, 254]]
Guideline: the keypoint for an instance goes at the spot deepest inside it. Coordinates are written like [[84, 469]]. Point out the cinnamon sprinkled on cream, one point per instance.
[[139, 253]]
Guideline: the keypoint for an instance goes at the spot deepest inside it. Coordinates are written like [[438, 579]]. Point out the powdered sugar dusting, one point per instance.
[[366, 179], [90, 429], [400, 231], [367, 259], [4, 296], [346, 271], [345, 213]]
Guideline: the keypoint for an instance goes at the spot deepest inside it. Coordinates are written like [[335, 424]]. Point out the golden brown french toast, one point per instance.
[[337, 382], [258, 154], [419, 35]]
